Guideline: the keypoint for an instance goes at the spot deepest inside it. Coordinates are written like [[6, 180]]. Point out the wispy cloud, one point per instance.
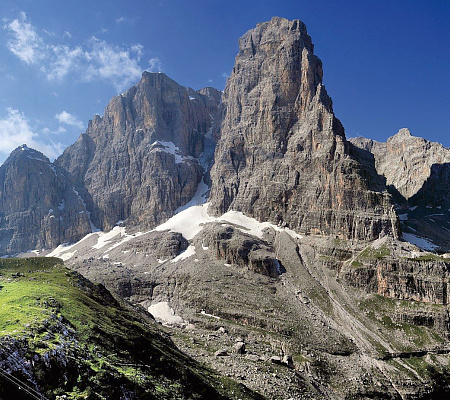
[[25, 43], [67, 118], [95, 59], [155, 65], [125, 20], [105, 61], [15, 130]]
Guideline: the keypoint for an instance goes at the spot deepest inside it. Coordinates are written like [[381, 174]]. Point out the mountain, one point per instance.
[[282, 155], [38, 207], [417, 173], [139, 162], [298, 278], [339, 306]]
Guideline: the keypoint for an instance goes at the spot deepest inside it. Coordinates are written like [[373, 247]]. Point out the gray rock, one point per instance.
[[282, 154], [139, 161], [406, 162], [234, 247], [221, 353], [275, 360], [287, 360], [38, 206], [239, 347]]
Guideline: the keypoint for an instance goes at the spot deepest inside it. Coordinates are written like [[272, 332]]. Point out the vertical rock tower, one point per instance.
[[282, 154]]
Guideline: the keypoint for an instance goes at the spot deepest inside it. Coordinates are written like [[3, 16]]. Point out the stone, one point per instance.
[[234, 247], [221, 353], [239, 347], [287, 360], [282, 155], [275, 360]]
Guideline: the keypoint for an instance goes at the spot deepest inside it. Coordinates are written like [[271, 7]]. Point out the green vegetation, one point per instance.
[[377, 253], [430, 257], [85, 344]]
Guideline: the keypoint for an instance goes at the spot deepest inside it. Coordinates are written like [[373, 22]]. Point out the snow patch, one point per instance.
[[199, 197], [62, 248], [403, 217], [190, 221], [169, 147], [163, 312], [420, 242], [203, 312], [190, 251], [105, 238]]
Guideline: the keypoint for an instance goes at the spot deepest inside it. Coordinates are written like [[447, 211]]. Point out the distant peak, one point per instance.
[[401, 135]]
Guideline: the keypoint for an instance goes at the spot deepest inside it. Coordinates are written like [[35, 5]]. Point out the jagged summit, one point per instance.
[[401, 135], [140, 160], [282, 154]]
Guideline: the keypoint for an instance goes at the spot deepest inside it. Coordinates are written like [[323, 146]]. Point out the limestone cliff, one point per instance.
[[139, 161], [38, 207], [282, 154], [417, 173], [410, 164]]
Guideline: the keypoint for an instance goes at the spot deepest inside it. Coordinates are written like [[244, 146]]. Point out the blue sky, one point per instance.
[[386, 63]]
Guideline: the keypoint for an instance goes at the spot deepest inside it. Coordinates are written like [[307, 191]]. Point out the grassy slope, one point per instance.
[[86, 345]]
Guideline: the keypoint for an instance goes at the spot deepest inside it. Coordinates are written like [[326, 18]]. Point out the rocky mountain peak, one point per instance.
[[140, 160], [25, 151], [282, 154], [402, 135]]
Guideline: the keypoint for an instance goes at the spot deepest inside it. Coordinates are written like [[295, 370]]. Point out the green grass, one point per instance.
[[430, 257], [372, 253], [46, 307]]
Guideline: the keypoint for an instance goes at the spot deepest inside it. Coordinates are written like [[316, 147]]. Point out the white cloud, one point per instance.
[[154, 65], [26, 43], [95, 59], [123, 20], [15, 130], [119, 66], [67, 118], [62, 60]]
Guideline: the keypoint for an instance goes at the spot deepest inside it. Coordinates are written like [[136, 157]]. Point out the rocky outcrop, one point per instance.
[[400, 278], [417, 169], [282, 154], [234, 247], [417, 173], [139, 161], [38, 206]]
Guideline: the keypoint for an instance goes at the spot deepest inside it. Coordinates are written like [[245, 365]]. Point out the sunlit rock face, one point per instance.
[[38, 207], [282, 154], [410, 164], [139, 161]]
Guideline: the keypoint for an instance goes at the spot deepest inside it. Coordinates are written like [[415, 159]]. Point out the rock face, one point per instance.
[[139, 161], [419, 280], [235, 247], [38, 207], [412, 166], [417, 173], [282, 154]]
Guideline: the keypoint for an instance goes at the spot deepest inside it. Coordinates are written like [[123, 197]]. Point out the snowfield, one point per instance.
[[189, 222]]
